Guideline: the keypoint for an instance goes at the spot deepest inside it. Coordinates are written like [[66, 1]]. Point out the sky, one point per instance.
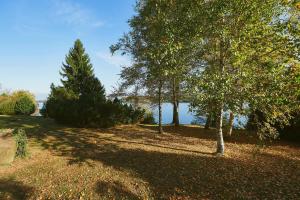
[[36, 35]]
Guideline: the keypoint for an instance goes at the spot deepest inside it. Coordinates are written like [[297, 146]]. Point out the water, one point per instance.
[[40, 105], [187, 117]]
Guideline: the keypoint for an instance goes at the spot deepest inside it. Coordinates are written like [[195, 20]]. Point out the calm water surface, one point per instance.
[[186, 117]]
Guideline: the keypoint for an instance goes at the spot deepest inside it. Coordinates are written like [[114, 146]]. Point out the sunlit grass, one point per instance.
[[135, 162]]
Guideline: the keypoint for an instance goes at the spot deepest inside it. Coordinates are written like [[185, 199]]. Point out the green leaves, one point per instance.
[[231, 53], [247, 58]]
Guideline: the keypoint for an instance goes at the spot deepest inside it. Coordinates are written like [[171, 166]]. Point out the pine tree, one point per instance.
[[81, 101], [78, 74]]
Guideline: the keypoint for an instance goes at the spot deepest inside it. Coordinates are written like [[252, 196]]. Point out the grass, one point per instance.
[[134, 162], [7, 147]]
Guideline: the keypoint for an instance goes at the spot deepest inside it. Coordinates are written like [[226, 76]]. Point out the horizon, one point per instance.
[[38, 35]]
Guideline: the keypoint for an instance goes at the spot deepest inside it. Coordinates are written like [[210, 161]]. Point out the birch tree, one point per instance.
[[247, 60]]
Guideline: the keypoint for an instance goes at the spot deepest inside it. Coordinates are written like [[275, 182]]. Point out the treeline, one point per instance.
[[227, 55], [81, 100], [17, 103]]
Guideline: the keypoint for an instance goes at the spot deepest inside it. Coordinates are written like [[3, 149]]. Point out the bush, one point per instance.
[[291, 131], [89, 111], [148, 118], [21, 142], [19, 102], [7, 106], [25, 102], [24, 106], [125, 113]]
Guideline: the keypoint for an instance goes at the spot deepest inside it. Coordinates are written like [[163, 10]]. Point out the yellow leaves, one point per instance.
[[297, 5], [82, 194]]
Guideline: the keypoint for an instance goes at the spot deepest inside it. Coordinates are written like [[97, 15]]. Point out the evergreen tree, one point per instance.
[[81, 101], [78, 74]]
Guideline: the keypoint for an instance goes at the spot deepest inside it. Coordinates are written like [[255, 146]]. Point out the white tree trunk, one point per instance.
[[220, 140], [160, 130], [230, 125]]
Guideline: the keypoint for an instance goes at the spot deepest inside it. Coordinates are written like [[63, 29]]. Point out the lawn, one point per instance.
[[134, 162]]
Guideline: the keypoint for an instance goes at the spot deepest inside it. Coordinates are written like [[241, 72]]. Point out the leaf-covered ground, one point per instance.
[[134, 162]]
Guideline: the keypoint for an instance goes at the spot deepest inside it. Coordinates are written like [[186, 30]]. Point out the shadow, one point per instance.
[[179, 176], [169, 171], [238, 136], [10, 189], [114, 190], [161, 146]]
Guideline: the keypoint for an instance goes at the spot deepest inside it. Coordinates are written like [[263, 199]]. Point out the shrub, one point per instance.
[[24, 106], [25, 103], [88, 111], [125, 113], [7, 106], [21, 142], [291, 131], [148, 118], [19, 102]]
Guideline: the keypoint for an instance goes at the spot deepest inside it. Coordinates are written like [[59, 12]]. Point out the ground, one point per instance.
[[135, 162]]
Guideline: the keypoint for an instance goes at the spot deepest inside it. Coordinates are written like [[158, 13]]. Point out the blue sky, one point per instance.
[[36, 35]]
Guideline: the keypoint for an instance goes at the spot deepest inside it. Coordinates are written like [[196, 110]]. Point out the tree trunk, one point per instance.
[[175, 104], [136, 98], [208, 121], [220, 140], [175, 114], [230, 125], [160, 130]]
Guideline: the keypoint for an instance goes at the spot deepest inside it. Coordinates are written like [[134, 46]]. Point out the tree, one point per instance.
[[230, 123], [81, 101], [142, 43], [158, 44], [234, 54], [78, 74], [246, 61]]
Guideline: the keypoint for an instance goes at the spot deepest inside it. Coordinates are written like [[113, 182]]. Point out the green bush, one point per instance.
[[25, 102], [24, 106], [291, 131], [7, 106], [148, 118], [89, 111], [21, 142], [19, 102]]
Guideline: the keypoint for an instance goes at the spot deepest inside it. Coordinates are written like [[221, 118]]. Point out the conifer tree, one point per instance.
[[78, 74]]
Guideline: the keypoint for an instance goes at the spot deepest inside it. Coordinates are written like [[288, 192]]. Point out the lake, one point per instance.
[[186, 117]]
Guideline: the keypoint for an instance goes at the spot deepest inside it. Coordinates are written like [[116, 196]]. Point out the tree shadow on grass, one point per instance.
[[197, 176], [180, 174], [115, 190], [10, 189], [238, 136]]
